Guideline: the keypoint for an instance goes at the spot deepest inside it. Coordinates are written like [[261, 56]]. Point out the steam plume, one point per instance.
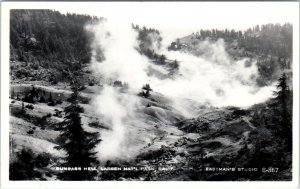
[[213, 78]]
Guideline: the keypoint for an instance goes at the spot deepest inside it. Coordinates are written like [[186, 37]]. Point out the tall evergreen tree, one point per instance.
[[78, 144], [283, 96]]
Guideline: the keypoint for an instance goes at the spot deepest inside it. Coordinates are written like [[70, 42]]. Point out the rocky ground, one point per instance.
[[177, 148]]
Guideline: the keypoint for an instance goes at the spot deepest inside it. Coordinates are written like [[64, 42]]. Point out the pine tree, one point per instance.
[[42, 99], [33, 94], [50, 100], [12, 95], [283, 95], [78, 144], [23, 109], [162, 59], [147, 88], [175, 64]]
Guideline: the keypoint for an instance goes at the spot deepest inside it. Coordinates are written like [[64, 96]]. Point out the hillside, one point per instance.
[[48, 40], [270, 45], [158, 136]]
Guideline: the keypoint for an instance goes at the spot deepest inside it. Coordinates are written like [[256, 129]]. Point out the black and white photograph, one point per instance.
[[151, 91]]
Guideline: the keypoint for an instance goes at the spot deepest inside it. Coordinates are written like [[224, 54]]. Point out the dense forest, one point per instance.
[[46, 37], [269, 39]]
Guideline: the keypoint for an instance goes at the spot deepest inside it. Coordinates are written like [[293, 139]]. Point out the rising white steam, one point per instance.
[[212, 78], [117, 108], [215, 79], [121, 61]]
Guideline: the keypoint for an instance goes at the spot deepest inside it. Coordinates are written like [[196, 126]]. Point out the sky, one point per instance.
[[177, 19]]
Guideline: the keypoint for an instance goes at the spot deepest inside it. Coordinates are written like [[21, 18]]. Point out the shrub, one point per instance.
[[82, 87], [42, 160], [54, 82], [35, 66], [59, 101], [91, 83], [29, 106], [24, 168], [85, 101], [42, 99], [117, 84], [51, 103], [58, 113]]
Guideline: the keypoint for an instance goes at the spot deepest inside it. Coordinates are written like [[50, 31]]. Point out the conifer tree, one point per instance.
[[12, 95], [50, 99], [283, 95], [33, 94], [78, 144], [23, 109], [162, 59], [147, 88]]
